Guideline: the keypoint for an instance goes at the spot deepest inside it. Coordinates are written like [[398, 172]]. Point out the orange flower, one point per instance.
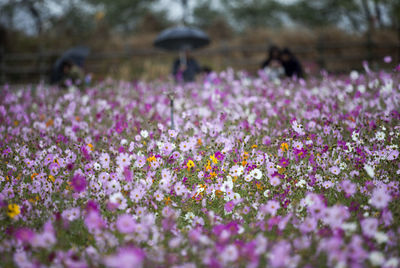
[[284, 147]]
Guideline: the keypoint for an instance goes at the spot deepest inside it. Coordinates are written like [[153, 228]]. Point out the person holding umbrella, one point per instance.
[[185, 68], [183, 39], [68, 69]]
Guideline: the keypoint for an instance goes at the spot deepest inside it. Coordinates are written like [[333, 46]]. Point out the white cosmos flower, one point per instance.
[[380, 136], [354, 75], [381, 237], [256, 174], [124, 141], [266, 193], [370, 170], [96, 166], [144, 133], [376, 258]]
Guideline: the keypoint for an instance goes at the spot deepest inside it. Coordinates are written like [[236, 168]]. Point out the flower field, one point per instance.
[[255, 174]]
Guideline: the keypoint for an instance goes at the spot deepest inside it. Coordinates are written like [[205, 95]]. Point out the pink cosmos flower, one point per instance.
[[335, 170], [179, 188], [105, 160], [369, 226], [229, 254], [272, 207], [140, 161], [280, 254], [309, 225], [380, 198], [392, 155], [93, 221], [275, 181], [125, 224], [387, 59], [123, 160], [127, 257], [229, 206]]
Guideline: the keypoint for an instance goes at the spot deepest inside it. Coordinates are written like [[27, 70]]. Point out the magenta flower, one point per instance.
[[219, 156], [283, 162], [24, 234], [78, 183]]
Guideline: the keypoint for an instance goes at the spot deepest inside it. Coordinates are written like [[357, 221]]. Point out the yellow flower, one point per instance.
[[284, 147], [214, 159], [151, 159], [190, 164], [208, 167], [51, 177], [13, 210], [254, 146]]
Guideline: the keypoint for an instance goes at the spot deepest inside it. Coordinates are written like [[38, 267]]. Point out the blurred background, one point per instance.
[[336, 35]]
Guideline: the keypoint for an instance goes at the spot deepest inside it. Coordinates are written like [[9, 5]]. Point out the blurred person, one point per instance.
[[71, 74], [291, 64], [185, 68], [274, 70], [274, 53]]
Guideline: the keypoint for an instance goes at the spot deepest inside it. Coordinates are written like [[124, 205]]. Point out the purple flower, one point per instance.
[[128, 174], [78, 183], [229, 206]]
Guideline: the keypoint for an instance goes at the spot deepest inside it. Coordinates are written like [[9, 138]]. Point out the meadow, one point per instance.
[[256, 173]]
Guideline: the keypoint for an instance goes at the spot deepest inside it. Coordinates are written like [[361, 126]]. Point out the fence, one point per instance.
[[334, 57]]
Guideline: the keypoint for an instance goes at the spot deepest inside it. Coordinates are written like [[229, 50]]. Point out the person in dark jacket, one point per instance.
[[291, 64], [185, 71], [274, 54]]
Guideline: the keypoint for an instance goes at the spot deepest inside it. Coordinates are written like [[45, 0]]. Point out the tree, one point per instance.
[[122, 15], [254, 13]]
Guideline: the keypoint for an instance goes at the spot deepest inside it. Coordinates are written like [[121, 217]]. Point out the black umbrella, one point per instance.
[[181, 38], [76, 55]]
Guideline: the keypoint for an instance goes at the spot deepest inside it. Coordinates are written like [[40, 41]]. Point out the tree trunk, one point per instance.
[[367, 13], [378, 13]]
